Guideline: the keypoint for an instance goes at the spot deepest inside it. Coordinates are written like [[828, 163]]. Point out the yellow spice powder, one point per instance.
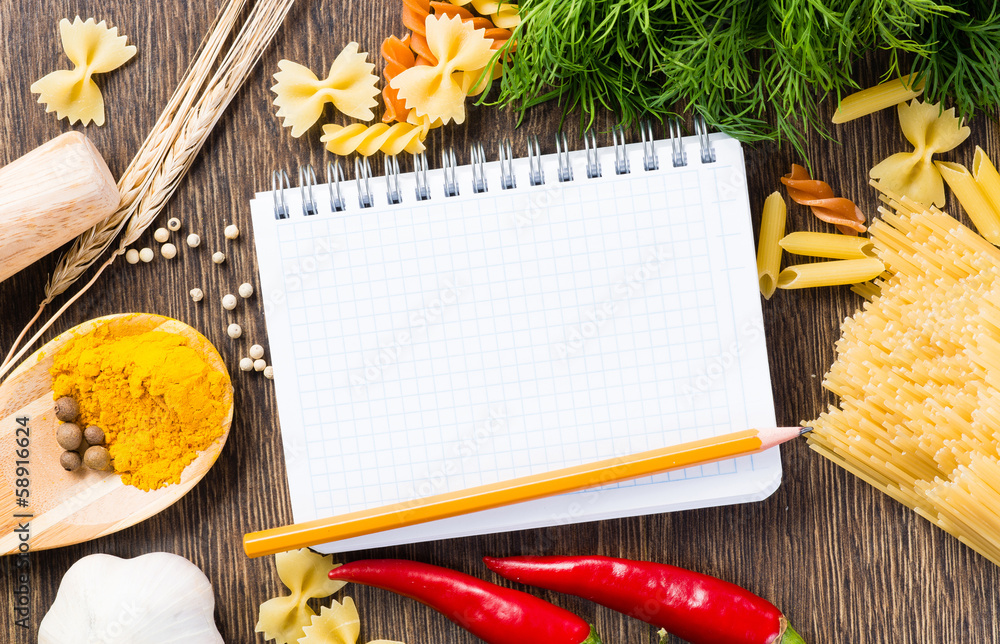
[[157, 400]]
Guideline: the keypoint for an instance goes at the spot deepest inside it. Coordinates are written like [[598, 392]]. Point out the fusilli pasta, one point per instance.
[[503, 14], [819, 196], [367, 140], [93, 48], [398, 57], [350, 86]]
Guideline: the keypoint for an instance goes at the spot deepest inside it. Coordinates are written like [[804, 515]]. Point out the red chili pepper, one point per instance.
[[493, 613], [695, 607]]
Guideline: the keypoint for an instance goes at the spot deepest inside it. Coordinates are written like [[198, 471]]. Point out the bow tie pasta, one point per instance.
[[931, 131], [350, 86], [94, 49], [438, 91]]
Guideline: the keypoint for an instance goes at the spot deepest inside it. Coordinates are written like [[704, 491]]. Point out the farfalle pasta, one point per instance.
[[93, 48], [931, 131], [337, 624], [415, 14], [438, 91], [367, 140], [350, 86], [305, 574]]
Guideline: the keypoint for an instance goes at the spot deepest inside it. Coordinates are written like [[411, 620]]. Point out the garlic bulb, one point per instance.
[[158, 598]]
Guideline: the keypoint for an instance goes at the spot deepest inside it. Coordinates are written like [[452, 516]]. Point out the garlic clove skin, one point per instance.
[[158, 598]]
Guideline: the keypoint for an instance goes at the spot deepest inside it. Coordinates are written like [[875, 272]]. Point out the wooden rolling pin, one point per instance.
[[49, 196]]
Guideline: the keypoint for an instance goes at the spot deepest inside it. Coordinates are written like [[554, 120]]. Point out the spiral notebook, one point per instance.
[[450, 327]]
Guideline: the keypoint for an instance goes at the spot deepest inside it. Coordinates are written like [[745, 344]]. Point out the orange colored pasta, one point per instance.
[[398, 57], [819, 196], [415, 14]]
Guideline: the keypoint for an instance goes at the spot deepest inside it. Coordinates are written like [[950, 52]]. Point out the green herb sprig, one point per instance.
[[755, 70]]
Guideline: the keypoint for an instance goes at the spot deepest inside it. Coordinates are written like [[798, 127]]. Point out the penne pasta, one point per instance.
[[828, 245], [873, 99], [772, 228], [973, 199], [987, 177], [836, 273]]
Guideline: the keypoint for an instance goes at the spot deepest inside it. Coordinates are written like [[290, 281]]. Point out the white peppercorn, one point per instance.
[[197, 294], [259, 365], [246, 364], [229, 301], [146, 255], [232, 232], [256, 352], [168, 250], [269, 372], [132, 256], [245, 290], [174, 224], [218, 257], [193, 240], [234, 331], [161, 235]]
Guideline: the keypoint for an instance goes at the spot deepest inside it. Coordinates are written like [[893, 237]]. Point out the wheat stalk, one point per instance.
[[172, 161], [88, 247]]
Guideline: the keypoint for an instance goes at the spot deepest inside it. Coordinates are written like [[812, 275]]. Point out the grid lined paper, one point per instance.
[[432, 346]]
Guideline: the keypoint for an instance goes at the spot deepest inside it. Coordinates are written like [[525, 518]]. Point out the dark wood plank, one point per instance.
[[845, 562]]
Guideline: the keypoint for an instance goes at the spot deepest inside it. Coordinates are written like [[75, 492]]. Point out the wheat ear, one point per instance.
[[242, 57]]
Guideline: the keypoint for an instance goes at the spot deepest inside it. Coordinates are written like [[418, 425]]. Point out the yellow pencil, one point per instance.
[[518, 490]]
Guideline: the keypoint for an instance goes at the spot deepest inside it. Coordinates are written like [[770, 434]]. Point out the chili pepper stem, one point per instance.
[[789, 636], [593, 638]]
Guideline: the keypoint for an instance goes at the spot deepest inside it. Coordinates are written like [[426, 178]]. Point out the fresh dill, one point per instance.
[[755, 70]]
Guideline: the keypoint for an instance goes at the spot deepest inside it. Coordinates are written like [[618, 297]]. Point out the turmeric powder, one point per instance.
[[156, 398]]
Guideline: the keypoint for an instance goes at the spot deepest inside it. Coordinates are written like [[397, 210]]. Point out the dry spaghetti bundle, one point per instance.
[[918, 376]]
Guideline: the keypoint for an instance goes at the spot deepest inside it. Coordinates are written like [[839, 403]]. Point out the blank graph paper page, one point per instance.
[[430, 346]]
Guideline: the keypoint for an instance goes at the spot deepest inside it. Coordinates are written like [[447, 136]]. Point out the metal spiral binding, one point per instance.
[[363, 170], [507, 166], [621, 159], [392, 191], [562, 156], [279, 182], [423, 189], [701, 130], [450, 167], [593, 163], [678, 156], [649, 159], [478, 168], [535, 174], [334, 175], [307, 183]]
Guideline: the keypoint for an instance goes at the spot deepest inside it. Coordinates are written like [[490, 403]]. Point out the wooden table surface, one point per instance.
[[844, 562]]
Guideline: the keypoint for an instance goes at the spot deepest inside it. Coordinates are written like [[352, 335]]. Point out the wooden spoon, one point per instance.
[[70, 507]]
